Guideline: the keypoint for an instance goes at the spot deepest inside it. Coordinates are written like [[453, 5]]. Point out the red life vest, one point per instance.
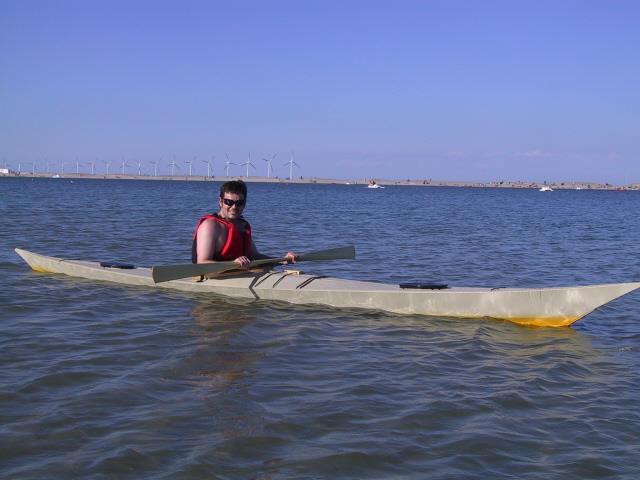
[[237, 244]]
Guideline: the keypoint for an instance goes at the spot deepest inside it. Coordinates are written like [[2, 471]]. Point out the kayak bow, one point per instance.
[[542, 307]]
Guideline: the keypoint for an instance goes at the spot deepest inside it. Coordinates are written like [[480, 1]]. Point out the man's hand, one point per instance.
[[242, 261], [291, 257]]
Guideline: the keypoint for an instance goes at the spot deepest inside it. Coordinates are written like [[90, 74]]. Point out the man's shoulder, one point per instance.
[[215, 220], [210, 222]]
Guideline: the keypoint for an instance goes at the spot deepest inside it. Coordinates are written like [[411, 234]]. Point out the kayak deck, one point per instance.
[[541, 307]]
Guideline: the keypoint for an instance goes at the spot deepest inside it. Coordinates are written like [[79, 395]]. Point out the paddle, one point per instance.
[[164, 273]]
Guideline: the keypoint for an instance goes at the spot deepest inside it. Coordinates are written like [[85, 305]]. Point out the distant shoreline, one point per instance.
[[332, 181]]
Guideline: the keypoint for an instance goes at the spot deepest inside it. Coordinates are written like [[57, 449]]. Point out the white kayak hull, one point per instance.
[[543, 307]]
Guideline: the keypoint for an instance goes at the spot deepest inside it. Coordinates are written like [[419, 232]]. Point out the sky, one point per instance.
[[444, 90]]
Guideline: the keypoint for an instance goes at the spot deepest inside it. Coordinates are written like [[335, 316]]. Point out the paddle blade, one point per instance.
[[341, 253], [165, 273]]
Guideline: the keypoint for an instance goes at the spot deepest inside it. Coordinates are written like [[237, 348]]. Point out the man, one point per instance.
[[226, 236]]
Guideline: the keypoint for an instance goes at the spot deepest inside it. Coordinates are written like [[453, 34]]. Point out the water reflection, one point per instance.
[[221, 361]]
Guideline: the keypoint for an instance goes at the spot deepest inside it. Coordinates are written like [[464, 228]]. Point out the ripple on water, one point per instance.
[[104, 381]]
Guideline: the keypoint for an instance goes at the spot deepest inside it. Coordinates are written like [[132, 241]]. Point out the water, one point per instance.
[[99, 380]]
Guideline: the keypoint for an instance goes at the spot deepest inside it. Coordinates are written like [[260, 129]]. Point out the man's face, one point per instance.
[[233, 211]]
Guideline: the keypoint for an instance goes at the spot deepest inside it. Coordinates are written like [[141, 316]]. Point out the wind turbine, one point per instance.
[[77, 166], [155, 166], [107, 163], [208, 162], [269, 166], [227, 163], [139, 167], [124, 165], [291, 164], [247, 163], [93, 167], [190, 163], [173, 165]]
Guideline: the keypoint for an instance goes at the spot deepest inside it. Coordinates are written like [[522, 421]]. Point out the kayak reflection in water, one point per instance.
[[226, 235], [215, 363]]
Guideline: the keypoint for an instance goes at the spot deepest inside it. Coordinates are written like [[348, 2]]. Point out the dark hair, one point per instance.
[[234, 186]]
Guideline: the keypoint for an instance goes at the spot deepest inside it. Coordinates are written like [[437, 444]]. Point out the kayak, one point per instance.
[[540, 307]]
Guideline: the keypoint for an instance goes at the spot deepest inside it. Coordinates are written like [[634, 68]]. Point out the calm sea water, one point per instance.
[[99, 380]]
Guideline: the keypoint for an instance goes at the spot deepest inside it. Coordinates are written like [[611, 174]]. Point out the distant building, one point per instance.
[[5, 171]]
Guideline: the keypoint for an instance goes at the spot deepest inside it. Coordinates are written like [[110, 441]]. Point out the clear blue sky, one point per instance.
[[453, 90]]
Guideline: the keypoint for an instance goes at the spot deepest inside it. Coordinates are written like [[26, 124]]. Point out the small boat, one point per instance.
[[540, 307], [373, 184], [546, 189]]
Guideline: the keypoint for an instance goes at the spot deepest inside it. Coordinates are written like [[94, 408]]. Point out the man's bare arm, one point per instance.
[[208, 232], [255, 254]]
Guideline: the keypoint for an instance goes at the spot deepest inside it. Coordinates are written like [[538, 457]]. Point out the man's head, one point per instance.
[[233, 196]]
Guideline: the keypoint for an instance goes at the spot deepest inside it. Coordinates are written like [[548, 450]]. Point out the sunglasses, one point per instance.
[[230, 203]]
